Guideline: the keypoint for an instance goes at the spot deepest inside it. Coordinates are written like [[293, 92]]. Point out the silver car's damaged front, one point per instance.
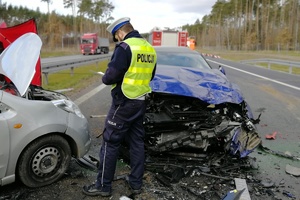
[[77, 128], [176, 123], [33, 126], [40, 130]]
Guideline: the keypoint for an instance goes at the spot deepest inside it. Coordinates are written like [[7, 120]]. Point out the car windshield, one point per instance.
[[182, 59]]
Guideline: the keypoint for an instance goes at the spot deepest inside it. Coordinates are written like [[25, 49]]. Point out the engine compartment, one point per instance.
[[39, 93], [187, 124]]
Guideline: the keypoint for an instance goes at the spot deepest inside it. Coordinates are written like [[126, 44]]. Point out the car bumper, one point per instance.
[[78, 129]]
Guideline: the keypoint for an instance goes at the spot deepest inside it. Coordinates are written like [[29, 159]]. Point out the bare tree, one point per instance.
[[48, 2]]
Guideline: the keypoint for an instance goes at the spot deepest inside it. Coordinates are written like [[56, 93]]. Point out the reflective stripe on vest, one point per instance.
[[137, 78]]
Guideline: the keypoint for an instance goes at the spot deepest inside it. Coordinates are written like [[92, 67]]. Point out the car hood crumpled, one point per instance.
[[18, 60], [210, 86]]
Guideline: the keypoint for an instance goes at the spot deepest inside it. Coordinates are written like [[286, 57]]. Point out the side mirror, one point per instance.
[[222, 69]]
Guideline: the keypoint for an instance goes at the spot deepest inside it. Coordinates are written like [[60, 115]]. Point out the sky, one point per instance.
[[144, 14]]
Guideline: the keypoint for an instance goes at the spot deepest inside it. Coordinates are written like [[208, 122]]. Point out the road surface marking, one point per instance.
[[259, 76], [88, 95]]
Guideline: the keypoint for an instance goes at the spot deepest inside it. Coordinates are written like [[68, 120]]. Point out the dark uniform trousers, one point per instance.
[[123, 121]]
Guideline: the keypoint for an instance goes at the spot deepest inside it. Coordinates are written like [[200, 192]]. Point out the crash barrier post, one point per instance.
[[289, 64], [69, 62]]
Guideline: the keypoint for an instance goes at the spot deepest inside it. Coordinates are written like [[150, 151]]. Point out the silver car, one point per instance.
[[40, 130]]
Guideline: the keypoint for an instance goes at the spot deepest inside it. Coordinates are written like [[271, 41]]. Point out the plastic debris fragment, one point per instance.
[[233, 195], [288, 194], [295, 171], [271, 136], [267, 183]]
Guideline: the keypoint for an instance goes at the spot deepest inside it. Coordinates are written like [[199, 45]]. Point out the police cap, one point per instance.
[[116, 25]]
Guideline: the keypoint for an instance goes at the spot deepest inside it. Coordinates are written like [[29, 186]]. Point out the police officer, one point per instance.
[[130, 71]]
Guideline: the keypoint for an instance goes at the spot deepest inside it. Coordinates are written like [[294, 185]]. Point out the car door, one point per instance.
[[4, 139]]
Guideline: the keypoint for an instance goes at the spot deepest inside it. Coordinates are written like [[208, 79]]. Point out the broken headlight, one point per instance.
[[68, 106]]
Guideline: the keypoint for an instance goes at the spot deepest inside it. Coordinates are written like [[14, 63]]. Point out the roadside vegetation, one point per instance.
[[80, 78], [48, 53], [235, 25]]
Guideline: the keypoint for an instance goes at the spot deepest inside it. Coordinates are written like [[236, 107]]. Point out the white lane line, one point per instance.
[[263, 77], [88, 95]]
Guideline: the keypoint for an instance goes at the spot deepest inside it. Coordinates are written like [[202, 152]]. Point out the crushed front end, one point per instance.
[[181, 124]]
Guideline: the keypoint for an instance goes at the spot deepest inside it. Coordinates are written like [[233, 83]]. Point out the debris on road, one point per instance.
[[278, 153], [295, 171], [233, 194], [88, 162], [288, 194], [97, 116], [267, 183], [241, 185], [271, 136]]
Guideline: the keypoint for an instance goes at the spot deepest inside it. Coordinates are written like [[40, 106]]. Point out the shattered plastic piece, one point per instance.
[[119, 177], [240, 185], [125, 198], [267, 183], [88, 163], [204, 169], [270, 192], [177, 174], [6, 197], [266, 149], [271, 136], [163, 179], [194, 191], [288, 153], [286, 193], [233, 195], [244, 142], [292, 170]]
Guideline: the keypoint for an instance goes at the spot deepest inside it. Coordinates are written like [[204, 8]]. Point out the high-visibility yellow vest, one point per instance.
[[138, 76]]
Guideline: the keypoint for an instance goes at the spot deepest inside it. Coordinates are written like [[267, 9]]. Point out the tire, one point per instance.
[[44, 161]]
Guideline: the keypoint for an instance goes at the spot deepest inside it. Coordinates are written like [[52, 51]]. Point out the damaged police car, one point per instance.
[[194, 108], [40, 130]]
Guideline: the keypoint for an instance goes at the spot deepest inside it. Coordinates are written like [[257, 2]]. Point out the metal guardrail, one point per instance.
[[55, 66], [290, 64]]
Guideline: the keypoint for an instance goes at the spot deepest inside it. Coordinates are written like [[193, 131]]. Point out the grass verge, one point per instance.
[[76, 80]]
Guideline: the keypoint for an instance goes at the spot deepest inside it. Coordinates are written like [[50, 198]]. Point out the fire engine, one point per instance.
[[168, 38]]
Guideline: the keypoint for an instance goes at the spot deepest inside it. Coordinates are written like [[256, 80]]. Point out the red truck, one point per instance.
[[90, 43], [168, 38]]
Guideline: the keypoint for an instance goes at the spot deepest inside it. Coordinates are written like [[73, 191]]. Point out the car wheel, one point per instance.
[[44, 161]]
